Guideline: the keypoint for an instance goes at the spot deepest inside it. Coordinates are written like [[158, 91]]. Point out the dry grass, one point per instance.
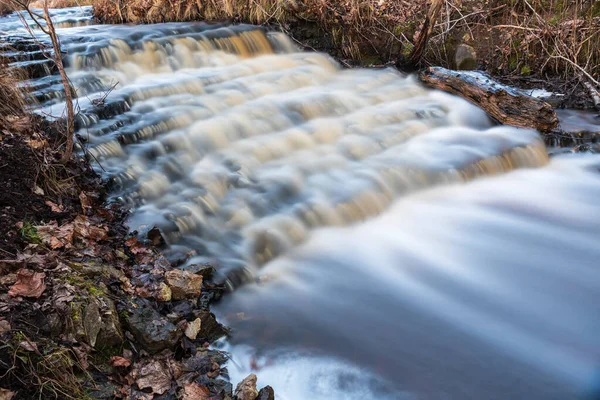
[[11, 94], [557, 37], [5, 8]]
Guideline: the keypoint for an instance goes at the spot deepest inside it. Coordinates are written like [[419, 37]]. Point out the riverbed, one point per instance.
[[380, 240]]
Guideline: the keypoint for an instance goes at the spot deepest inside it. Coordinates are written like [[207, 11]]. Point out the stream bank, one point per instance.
[[86, 310]]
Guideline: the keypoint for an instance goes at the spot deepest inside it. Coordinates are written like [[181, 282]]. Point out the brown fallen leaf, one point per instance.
[[53, 206], [54, 236], [153, 374], [193, 328], [194, 391], [4, 327], [135, 246], [86, 204], [29, 346], [117, 361], [6, 394], [38, 190], [29, 284], [37, 143], [85, 230]]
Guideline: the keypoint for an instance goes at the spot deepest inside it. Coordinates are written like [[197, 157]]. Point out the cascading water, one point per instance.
[[346, 189]]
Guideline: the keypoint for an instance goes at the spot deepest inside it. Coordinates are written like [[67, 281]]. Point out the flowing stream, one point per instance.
[[385, 240]]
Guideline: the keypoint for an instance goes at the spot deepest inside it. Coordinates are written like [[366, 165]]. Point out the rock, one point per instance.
[[246, 389], [206, 270], [164, 293], [101, 323], [266, 393], [210, 328], [192, 329], [152, 330], [94, 269], [178, 310], [183, 284], [111, 333], [92, 323], [156, 237], [104, 391], [465, 57]]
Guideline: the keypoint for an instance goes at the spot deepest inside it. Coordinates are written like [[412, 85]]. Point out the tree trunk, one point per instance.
[[67, 86], [411, 63], [506, 105]]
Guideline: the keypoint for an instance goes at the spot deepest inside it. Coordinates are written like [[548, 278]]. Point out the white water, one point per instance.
[[388, 274], [489, 290]]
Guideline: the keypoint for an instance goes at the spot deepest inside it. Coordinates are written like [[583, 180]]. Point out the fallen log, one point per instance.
[[505, 104], [593, 94]]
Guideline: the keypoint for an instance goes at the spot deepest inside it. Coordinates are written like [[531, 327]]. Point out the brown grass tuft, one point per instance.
[[11, 94], [5, 8]]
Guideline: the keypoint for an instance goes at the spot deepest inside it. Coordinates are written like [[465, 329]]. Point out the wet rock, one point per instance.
[[206, 270], [183, 284], [154, 332], [104, 391], [246, 389], [210, 329], [178, 310], [94, 269], [156, 237], [92, 322], [110, 333], [465, 57], [218, 388], [101, 323], [266, 393], [164, 293]]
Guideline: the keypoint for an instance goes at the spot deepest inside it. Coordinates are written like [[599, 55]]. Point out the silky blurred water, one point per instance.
[[487, 290], [405, 247]]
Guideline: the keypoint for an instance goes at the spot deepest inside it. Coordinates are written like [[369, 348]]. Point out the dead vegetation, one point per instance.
[[44, 22], [516, 37], [11, 94]]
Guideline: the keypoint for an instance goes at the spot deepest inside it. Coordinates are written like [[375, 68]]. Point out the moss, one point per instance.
[[29, 233], [75, 311], [95, 291], [367, 60], [526, 70], [87, 285], [513, 62]]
